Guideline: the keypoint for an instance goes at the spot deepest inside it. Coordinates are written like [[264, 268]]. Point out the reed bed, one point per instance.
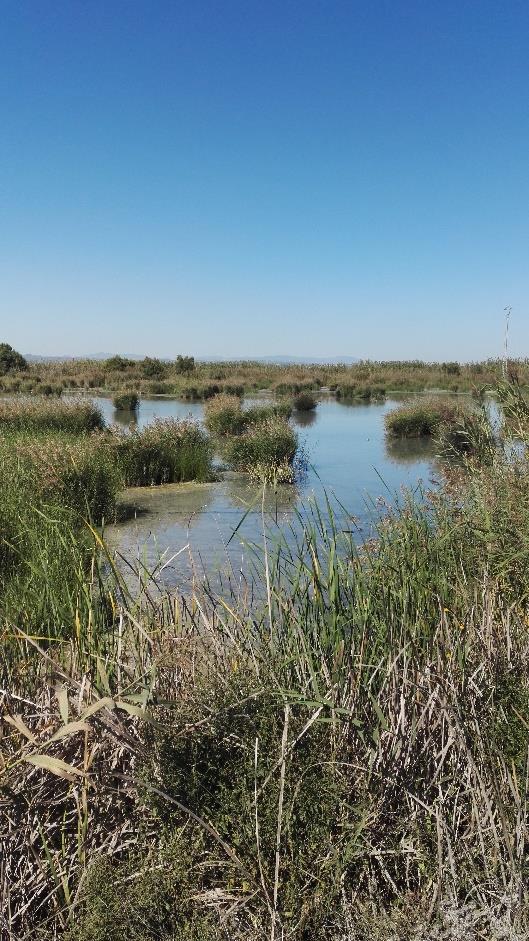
[[423, 418], [164, 452], [258, 441], [203, 380], [40, 414]]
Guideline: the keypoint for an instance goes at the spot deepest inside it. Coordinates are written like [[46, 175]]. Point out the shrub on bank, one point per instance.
[[224, 414], [470, 435]]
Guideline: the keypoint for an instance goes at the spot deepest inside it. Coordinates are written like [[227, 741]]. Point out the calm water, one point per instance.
[[191, 528]]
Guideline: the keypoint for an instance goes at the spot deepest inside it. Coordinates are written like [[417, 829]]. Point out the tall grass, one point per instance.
[[346, 757], [41, 414], [341, 753], [163, 452], [418, 418]]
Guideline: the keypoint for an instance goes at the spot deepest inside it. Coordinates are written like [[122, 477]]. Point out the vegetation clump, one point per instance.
[[38, 414], [126, 402], [164, 452], [304, 402], [265, 450], [223, 415], [422, 417], [358, 391], [258, 441]]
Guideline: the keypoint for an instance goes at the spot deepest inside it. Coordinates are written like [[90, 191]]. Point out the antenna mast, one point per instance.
[[506, 342]]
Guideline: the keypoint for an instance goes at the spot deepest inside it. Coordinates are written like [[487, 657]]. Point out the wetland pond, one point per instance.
[[190, 530]]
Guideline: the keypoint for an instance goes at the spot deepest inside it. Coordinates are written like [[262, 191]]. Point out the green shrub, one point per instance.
[[117, 364], [126, 401], [354, 390], [224, 414], [10, 360], [77, 472], [152, 368], [468, 434], [164, 452], [47, 389], [185, 364]]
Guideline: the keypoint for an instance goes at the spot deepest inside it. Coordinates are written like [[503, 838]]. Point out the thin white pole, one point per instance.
[[506, 343]]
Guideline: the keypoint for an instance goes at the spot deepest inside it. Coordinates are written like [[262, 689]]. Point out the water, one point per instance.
[[188, 529]]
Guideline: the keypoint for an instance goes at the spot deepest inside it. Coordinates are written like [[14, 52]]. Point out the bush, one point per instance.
[[160, 388], [152, 368], [73, 471], [47, 389], [117, 364], [185, 364], [469, 434], [162, 453], [353, 390], [304, 402], [224, 414], [10, 360], [126, 402]]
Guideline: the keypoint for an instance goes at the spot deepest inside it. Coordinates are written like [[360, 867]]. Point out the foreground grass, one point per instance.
[[345, 759]]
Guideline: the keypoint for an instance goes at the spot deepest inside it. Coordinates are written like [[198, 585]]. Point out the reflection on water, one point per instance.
[[304, 419], [199, 527], [126, 417], [409, 450]]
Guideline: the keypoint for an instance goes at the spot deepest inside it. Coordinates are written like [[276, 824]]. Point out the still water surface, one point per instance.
[[192, 528]]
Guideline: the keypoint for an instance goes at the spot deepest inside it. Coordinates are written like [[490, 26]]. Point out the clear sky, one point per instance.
[[250, 178]]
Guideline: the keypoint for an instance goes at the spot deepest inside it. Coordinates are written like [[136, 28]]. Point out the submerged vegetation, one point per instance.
[[339, 754]]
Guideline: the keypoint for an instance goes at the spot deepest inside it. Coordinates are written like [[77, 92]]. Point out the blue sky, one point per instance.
[[251, 178]]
